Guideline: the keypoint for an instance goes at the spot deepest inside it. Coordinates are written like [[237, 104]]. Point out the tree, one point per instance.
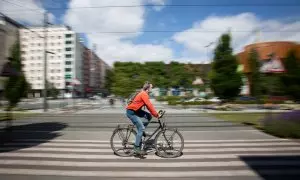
[[109, 79], [129, 76], [16, 87], [52, 91], [254, 75], [291, 79], [225, 81]]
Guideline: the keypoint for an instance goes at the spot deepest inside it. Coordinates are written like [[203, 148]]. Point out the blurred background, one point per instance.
[[56, 54]]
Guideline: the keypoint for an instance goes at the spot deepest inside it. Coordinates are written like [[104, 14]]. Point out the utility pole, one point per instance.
[[45, 61]]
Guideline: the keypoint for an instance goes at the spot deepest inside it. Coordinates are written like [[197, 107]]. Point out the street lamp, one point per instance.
[[207, 46]]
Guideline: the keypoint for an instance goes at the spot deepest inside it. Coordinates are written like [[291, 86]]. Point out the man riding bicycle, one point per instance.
[[134, 112]]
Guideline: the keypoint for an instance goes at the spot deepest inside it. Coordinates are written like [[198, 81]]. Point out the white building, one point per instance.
[[64, 64]]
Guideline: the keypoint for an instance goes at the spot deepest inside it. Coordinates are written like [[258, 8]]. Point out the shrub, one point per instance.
[[285, 125], [168, 98], [175, 102]]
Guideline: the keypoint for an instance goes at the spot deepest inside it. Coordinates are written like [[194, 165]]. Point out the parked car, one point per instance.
[[196, 99], [214, 99]]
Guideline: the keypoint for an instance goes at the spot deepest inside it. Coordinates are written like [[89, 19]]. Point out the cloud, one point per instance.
[[114, 46], [243, 27], [160, 4], [26, 11]]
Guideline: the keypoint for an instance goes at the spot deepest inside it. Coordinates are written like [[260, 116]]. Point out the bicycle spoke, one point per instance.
[[172, 135], [122, 142], [165, 143], [121, 136], [166, 139]]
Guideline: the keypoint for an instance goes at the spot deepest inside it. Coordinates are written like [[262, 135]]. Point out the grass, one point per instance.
[[19, 115], [252, 119], [282, 128]]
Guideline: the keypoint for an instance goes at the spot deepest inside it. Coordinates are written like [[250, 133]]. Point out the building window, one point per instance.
[[68, 69], [32, 58], [52, 78], [68, 49], [39, 44], [68, 62], [68, 35], [58, 50], [68, 42], [68, 55], [52, 70], [58, 78], [58, 71], [68, 76], [59, 37]]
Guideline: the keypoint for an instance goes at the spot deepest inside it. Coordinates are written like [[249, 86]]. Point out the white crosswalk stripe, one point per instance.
[[88, 158]]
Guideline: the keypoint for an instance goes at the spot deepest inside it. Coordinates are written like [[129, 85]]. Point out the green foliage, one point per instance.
[[177, 102], [254, 76], [16, 87], [109, 79], [224, 80], [271, 84], [291, 79], [52, 91], [168, 98], [129, 76]]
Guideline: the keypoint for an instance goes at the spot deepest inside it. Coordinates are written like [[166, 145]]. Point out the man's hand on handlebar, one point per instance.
[[160, 114]]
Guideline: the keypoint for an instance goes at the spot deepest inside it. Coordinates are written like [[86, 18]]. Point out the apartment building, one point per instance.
[[86, 71], [9, 33], [64, 58], [94, 72]]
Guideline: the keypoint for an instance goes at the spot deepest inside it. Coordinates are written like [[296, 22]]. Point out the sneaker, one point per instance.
[[138, 151]]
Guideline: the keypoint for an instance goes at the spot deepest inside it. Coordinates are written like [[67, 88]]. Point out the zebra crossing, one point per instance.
[[233, 159]]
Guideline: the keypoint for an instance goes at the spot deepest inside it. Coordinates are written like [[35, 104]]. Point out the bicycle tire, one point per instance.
[[115, 132], [157, 146]]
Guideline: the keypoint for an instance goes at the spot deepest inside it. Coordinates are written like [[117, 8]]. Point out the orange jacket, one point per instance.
[[140, 100]]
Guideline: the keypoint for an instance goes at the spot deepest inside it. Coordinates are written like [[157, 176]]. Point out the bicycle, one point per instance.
[[152, 142]]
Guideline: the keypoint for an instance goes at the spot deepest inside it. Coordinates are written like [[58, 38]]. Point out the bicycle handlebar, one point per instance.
[[161, 114]]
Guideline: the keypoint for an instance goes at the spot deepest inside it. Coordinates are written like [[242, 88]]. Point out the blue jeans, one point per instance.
[[135, 116]]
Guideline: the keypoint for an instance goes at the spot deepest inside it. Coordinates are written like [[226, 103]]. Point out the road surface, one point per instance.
[[76, 146]]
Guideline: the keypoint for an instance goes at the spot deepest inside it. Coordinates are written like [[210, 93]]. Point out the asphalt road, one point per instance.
[[76, 146]]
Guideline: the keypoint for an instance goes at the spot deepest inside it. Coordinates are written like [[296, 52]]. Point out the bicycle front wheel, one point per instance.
[[122, 141], [169, 143]]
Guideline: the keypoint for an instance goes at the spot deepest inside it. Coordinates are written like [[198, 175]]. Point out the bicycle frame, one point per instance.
[[161, 127]]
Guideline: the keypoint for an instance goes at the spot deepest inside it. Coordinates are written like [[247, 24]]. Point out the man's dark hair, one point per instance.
[[146, 86]]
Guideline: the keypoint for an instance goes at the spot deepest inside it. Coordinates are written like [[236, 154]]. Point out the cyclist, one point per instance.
[[134, 112]]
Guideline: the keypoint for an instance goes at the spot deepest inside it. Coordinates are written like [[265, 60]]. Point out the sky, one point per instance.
[[164, 33]]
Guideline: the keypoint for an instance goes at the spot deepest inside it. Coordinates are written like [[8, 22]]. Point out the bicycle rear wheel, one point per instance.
[[169, 143], [122, 141]]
